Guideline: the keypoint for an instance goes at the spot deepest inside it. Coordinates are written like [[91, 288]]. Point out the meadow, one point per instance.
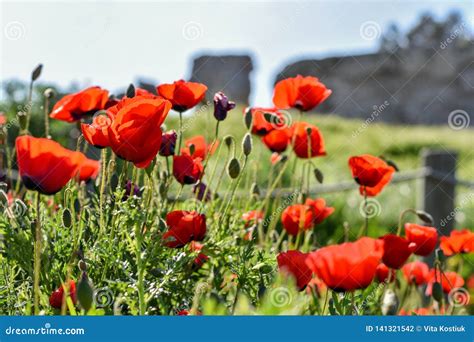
[[165, 225]]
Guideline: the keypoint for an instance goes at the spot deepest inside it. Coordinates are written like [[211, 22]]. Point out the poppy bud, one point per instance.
[[222, 105], [425, 217], [85, 292], [114, 181], [22, 120], [82, 265], [192, 149], [233, 168], [319, 175], [67, 219], [201, 189], [162, 189], [49, 93], [255, 190], [248, 117], [131, 91], [389, 303], [77, 205], [437, 292], [440, 255], [131, 190], [228, 140], [247, 144], [36, 72], [168, 143]]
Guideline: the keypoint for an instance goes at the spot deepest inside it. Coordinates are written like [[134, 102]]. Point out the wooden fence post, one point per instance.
[[438, 192]]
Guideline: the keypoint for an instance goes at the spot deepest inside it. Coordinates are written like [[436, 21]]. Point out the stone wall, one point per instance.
[[412, 86], [230, 74]]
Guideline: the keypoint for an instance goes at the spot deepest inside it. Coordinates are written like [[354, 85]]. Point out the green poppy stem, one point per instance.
[[37, 257]]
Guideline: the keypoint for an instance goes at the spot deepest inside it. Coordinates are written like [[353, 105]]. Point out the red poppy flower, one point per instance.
[[459, 241], [320, 211], [89, 169], [185, 312], [371, 173], [383, 273], [201, 148], [470, 282], [294, 263], [183, 95], [277, 140], [56, 298], [44, 165], [448, 280], [201, 258], [187, 170], [261, 126], [348, 266], [304, 93], [416, 272], [97, 133], [425, 238], [301, 140], [184, 227], [252, 217], [73, 107], [135, 133], [297, 217], [397, 250]]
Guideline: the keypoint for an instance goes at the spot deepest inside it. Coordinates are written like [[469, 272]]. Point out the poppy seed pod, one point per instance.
[[233, 168], [247, 144], [222, 106]]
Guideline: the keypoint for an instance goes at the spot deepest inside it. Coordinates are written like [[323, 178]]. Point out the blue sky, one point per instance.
[[110, 43]]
